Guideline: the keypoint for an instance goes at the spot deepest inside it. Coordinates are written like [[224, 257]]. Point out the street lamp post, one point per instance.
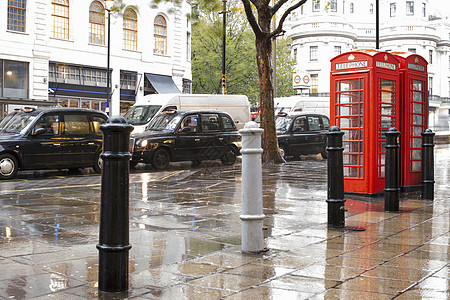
[[224, 38], [108, 4]]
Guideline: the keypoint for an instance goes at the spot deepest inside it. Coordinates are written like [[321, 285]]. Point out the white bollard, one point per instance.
[[252, 201]]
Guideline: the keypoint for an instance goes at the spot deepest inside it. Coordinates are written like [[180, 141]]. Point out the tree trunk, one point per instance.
[[269, 140]]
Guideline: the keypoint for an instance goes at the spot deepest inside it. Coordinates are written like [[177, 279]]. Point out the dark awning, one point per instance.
[[162, 84]]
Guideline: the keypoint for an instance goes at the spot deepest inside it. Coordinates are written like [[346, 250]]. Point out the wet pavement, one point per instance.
[[185, 236]]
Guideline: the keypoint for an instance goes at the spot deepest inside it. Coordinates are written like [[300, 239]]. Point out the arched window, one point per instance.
[[130, 29], [352, 8], [17, 11], [60, 16], [97, 23], [160, 35]]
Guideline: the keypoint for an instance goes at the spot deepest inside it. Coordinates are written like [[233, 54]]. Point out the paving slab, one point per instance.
[[185, 234]]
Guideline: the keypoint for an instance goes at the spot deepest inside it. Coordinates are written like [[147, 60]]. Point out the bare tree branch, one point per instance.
[[284, 16], [251, 17]]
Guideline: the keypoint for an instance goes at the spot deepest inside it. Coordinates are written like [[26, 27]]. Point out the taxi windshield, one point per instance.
[[141, 115], [164, 122], [282, 123], [18, 122]]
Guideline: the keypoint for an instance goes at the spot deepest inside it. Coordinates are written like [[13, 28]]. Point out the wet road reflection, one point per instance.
[[185, 235]]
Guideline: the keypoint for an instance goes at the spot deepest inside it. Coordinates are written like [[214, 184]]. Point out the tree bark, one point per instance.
[[269, 140]]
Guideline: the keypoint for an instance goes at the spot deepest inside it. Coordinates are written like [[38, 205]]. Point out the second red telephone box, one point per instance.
[[364, 103], [414, 116]]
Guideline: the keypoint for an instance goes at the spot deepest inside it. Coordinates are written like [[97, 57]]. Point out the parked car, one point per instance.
[[55, 138], [301, 133], [187, 136]]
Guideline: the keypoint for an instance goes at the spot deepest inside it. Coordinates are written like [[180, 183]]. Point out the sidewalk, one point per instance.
[[185, 237]]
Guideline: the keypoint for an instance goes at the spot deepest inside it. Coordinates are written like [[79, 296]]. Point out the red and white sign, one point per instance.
[[300, 81]]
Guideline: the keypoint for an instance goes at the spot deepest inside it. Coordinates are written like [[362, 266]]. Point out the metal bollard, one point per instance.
[[335, 195], [428, 165], [252, 201], [114, 211], [392, 172]]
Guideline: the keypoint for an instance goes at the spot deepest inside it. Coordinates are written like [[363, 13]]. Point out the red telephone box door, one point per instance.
[[348, 113]]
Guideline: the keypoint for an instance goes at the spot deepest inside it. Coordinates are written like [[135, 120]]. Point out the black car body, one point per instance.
[[187, 136], [301, 133], [56, 138]]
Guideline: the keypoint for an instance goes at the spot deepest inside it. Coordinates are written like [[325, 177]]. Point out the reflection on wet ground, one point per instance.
[[185, 236]]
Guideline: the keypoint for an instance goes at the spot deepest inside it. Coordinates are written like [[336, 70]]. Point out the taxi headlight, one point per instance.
[[143, 143], [238, 144]]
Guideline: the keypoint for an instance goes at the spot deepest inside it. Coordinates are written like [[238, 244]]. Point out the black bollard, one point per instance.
[[391, 174], [428, 165], [335, 197], [114, 211]]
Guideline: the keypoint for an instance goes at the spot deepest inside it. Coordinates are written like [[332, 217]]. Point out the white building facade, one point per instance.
[[321, 30], [54, 52]]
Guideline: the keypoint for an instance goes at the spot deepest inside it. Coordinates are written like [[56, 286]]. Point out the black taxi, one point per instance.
[[52, 138], [187, 136], [301, 133]]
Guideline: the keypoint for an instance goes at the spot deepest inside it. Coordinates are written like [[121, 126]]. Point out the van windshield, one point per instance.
[[141, 115]]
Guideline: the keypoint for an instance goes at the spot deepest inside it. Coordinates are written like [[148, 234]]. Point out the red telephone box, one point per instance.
[[364, 103], [414, 116]]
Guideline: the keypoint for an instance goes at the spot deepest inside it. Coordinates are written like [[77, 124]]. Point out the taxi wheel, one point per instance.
[[160, 159], [8, 166], [228, 158], [98, 166]]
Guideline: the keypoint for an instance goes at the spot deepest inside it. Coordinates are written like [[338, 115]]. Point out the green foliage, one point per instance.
[[285, 68], [241, 71]]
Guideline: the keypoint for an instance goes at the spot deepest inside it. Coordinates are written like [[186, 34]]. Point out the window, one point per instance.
[[130, 29], [409, 8], [295, 55], [50, 123], [97, 121], [188, 46], [412, 50], [228, 124], [333, 5], [393, 9], [17, 15], [299, 124], [314, 83], [424, 10], [210, 122], [315, 5], [430, 86], [313, 123], [75, 125], [352, 8], [128, 80], [430, 57], [337, 50], [191, 122], [96, 23], [343, 7], [313, 53], [160, 35], [349, 117], [371, 8], [60, 15], [14, 79]]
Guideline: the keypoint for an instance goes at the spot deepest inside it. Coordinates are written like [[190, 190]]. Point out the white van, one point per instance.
[[140, 114]]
